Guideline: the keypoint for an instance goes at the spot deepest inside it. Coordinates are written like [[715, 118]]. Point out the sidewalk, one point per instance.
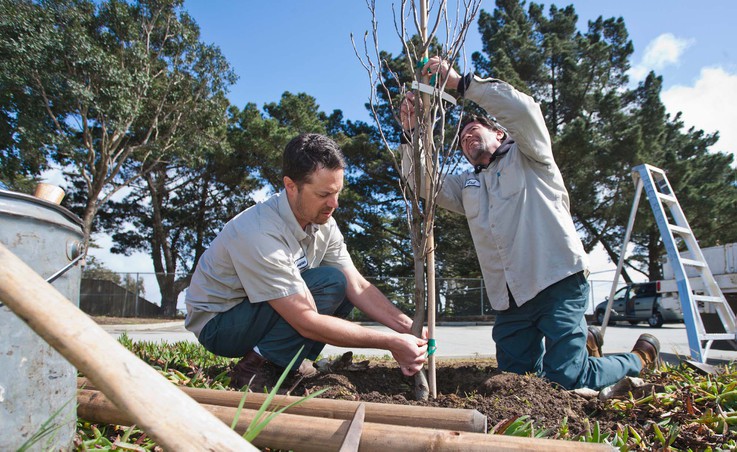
[[461, 340]]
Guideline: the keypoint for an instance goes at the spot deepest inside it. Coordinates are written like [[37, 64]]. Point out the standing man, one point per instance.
[[278, 277], [531, 257]]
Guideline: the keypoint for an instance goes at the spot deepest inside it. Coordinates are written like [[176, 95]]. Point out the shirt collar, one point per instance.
[[498, 153], [286, 214]]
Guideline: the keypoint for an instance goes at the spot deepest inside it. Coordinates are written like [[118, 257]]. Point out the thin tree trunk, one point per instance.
[[429, 212], [422, 389]]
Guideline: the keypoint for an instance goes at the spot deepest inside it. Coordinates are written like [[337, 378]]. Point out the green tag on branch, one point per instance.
[[420, 64]]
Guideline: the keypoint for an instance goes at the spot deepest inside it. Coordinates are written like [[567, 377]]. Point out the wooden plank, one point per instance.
[[173, 419]]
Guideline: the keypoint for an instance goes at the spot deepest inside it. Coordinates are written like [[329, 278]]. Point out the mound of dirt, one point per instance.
[[472, 384], [504, 397]]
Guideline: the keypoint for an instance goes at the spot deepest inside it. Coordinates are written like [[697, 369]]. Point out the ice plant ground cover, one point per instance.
[[678, 408]]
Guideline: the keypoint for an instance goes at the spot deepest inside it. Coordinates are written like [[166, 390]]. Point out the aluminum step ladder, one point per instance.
[[674, 228]]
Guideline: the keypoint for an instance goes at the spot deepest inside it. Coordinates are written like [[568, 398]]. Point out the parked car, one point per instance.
[[639, 302]]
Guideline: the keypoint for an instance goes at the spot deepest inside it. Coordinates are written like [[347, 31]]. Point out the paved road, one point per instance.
[[461, 340]]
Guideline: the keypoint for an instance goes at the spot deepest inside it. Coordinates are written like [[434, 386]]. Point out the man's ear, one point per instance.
[[290, 185], [500, 135]]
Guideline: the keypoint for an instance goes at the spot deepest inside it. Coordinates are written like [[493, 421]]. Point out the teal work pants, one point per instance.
[[235, 332], [547, 336]]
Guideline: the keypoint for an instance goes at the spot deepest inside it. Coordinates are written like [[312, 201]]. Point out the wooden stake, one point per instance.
[[307, 434], [382, 413], [172, 418]]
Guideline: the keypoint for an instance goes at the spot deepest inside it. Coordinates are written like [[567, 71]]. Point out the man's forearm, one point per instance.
[[342, 333], [375, 305]]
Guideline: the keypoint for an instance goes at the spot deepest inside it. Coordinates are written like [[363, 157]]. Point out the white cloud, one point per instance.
[[710, 104], [662, 51]]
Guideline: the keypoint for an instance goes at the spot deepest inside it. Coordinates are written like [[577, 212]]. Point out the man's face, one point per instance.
[[316, 200], [479, 142]]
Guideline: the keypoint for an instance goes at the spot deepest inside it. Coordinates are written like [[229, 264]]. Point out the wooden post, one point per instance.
[[464, 420], [306, 434], [172, 418]]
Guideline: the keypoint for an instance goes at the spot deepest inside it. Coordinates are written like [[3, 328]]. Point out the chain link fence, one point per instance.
[[457, 299]]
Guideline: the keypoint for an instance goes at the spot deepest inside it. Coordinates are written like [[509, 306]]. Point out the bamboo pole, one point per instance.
[[382, 413], [173, 419], [307, 434]]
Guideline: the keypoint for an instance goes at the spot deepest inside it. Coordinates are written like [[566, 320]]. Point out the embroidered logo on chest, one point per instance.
[[301, 262], [472, 183]]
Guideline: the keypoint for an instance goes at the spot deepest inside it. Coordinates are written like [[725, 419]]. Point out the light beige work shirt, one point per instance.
[[259, 255], [517, 208]]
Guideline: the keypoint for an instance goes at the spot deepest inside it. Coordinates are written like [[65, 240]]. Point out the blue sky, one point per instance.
[[305, 46]]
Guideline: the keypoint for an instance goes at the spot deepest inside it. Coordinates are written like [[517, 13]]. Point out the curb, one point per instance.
[[144, 326]]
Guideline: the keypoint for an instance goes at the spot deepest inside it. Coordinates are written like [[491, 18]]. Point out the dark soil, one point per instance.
[[503, 398], [475, 384]]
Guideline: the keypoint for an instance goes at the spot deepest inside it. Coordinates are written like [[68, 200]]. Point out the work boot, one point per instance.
[[250, 371], [594, 342], [264, 373], [647, 348]]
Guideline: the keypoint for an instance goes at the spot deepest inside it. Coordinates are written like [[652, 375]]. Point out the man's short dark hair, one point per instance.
[[309, 152]]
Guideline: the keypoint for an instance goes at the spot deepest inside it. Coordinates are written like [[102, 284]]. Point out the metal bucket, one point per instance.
[[37, 385]]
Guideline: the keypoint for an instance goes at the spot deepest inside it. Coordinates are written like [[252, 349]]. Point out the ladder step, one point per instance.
[[656, 170], [693, 263], [680, 230], [668, 199], [718, 336], [660, 193], [709, 299]]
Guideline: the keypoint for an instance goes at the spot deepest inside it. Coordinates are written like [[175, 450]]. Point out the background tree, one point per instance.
[[105, 90], [703, 181], [180, 204], [175, 210], [600, 128]]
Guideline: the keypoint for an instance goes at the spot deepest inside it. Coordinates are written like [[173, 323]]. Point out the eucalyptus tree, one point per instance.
[[106, 90]]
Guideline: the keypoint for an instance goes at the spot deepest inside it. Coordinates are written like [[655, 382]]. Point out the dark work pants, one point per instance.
[[247, 325], [547, 336]]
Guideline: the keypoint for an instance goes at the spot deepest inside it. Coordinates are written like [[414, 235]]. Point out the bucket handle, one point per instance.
[[53, 277], [76, 250]]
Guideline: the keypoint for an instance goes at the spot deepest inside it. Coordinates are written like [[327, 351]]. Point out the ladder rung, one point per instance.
[[669, 199], [718, 336], [693, 263], [709, 299], [680, 230], [655, 183]]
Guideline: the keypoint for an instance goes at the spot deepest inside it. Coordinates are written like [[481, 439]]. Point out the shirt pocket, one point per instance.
[[511, 181], [470, 197]]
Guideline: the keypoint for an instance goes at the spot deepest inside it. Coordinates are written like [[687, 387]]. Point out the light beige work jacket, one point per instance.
[[518, 208]]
